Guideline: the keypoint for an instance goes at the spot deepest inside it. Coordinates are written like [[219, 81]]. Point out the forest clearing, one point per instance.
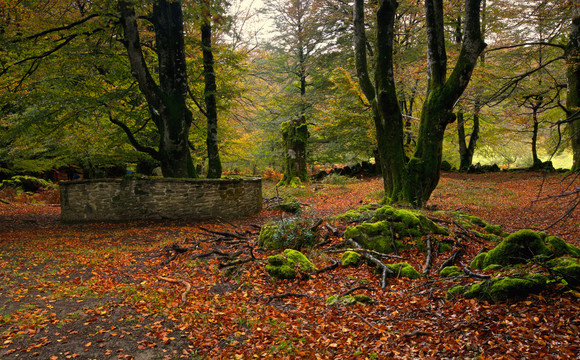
[[199, 290]]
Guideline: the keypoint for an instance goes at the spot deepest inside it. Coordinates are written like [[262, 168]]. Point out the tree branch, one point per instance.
[[146, 149]]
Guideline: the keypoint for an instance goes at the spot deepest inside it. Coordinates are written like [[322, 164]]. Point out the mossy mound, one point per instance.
[[454, 292], [350, 300], [363, 213], [516, 248], [500, 289], [289, 204], [288, 233], [403, 269], [567, 268], [376, 234], [350, 258], [559, 247], [450, 271], [495, 230], [284, 266], [477, 262]]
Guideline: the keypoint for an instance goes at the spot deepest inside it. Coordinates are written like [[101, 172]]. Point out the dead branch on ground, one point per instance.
[[373, 260], [179, 281]]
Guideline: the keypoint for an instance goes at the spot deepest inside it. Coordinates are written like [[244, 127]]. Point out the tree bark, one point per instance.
[[294, 137], [166, 100], [573, 94], [425, 165], [214, 170], [382, 95], [466, 150]]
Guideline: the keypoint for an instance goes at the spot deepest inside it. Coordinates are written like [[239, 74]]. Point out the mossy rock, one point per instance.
[[289, 233], [568, 268], [283, 266], [455, 292], [495, 230], [444, 247], [493, 267], [450, 271], [407, 222], [475, 220], [477, 262], [289, 204], [350, 300], [373, 235], [489, 237], [500, 289], [559, 247], [363, 213], [516, 248], [403, 269], [350, 258]]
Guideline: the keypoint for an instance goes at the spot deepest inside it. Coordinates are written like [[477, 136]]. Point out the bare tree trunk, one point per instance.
[[573, 95]]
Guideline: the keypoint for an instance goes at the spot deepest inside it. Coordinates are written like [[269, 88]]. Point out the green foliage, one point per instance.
[[25, 183], [288, 233], [455, 292], [350, 258]]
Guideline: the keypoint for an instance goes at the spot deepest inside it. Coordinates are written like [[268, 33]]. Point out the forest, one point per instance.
[[419, 164]]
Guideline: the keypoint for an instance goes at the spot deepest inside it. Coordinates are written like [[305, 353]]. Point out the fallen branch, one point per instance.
[[428, 257], [473, 235], [5, 201], [473, 274], [285, 295], [223, 233], [333, 230], [451, 259], [416, 333], [316, 225], [333, 266], [368, 251], [362, 287], [234, 263], [373, 260], [179, 281]]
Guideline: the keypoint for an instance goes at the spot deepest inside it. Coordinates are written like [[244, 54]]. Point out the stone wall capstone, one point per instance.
[[158, 198]]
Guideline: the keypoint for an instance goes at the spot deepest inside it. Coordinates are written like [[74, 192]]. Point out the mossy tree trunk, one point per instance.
[[166, 100], [214, 168], [294, 136], [425, 165], [573, 95], [382, 95], [413, 182]]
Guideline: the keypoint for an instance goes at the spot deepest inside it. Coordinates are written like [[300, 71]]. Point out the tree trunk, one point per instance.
[[466, 150], [425, 165], [382, 96], [214, 169], [166, 101], [294, 137], [536, 162], [573, 95]]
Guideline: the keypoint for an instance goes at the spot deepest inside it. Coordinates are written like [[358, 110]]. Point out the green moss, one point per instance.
[[350, 300], [477, 262], [559, 247], [350, 258], [489, 237], [403, 269], [298, 258], [283, 266], [496, 230], [288, 233], [516, 248], [475, 220], [454, 292], [450, 271], [500, 289], [567, 268], [492, 267], [363, 213], [375, 236], [444, 247]]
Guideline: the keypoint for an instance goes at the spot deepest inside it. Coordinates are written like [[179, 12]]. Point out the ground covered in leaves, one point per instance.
[[169, 290]]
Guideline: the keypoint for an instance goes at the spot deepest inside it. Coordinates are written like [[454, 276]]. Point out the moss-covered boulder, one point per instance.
[[500, 289], [350, 258], [477, 262], [516, 248], [289, 204], [288, 233], [377, 233], [285, 266], [363, 213], [454, 292], [403, 269], [495, 230], [559, 247], [350, 299], [567, 268], [450, 271]]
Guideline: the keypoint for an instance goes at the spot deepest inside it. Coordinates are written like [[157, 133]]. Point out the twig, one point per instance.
[[234, 263], [223, 233], [179, 281], [368, 251], [362, 287], [364, 320], [452, 259], [334, 265], [285, 295], [374, 260], [393, 238], [473, 274], [416, 333], [428, 258]]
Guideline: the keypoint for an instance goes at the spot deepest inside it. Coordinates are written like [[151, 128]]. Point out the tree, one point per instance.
[[415, 180], [573, 95]]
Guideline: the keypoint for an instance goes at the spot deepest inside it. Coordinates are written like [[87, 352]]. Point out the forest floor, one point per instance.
[[124, 291]]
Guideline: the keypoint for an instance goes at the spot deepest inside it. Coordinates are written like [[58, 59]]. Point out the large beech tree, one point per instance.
[[414, 180], [573, 95]]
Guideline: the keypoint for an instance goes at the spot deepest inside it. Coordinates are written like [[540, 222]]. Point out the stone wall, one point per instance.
[[140, 199]]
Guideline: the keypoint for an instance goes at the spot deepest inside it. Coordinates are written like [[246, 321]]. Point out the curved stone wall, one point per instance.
[[158, 198]]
